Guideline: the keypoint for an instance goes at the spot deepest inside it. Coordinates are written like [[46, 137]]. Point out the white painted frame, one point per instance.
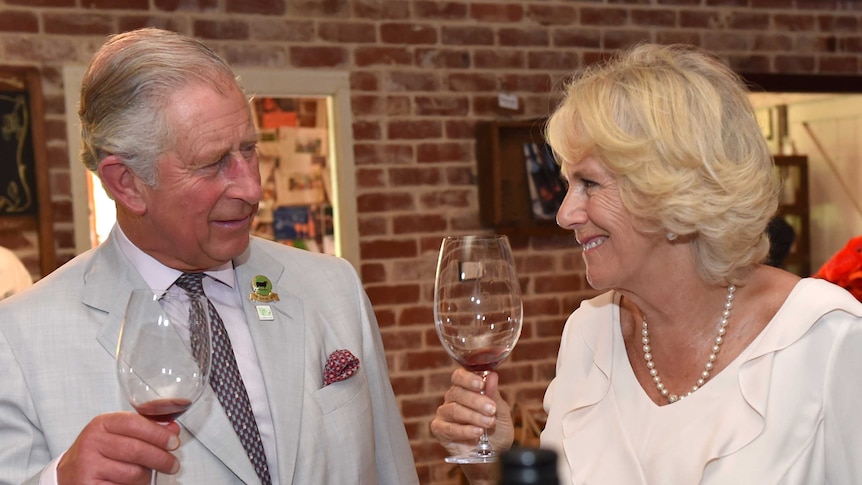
[[335, 85]]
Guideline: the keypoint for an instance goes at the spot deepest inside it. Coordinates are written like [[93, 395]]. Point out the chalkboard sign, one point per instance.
[[25, 200]]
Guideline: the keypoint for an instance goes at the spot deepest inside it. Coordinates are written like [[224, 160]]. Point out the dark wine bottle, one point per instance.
[[528, 466]]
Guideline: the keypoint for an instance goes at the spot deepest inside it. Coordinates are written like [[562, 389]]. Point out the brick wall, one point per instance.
[[422, 74]]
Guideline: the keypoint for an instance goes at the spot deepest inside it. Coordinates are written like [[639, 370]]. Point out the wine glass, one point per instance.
[[164, 353], [477, 311]]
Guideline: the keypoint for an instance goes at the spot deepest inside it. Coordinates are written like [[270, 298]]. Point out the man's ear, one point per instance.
[[126, 188]]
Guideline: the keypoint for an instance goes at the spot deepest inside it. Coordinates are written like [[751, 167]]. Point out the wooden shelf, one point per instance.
[[793, 173], [504, 191]]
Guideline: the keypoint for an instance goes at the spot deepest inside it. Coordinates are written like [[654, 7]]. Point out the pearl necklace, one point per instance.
[[719, 339]]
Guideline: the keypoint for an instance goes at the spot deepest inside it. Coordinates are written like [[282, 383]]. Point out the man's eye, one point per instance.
[[248, 150]]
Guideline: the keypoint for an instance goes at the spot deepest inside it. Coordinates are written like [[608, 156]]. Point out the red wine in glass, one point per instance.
[[477, 311], [163, 356], [163, 410], [482, 360]]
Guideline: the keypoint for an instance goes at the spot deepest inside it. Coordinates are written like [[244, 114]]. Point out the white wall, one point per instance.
[[834, 150]]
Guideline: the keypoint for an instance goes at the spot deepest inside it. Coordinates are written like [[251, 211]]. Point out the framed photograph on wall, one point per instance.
[[25, 199]]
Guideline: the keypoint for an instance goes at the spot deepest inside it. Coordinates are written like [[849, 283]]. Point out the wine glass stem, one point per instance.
[[155, 478], [483, 448]]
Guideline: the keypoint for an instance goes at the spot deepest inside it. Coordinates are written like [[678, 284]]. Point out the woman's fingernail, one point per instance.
[[173, 443], [490, 409], [176, 467]]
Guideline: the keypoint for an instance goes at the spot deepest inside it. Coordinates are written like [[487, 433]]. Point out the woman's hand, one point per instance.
[[466, 411]]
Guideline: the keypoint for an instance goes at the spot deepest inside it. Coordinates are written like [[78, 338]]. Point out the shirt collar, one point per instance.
[[158, 276]]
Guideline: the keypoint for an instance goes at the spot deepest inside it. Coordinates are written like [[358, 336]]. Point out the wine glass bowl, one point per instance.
[[478, 311], [163, 358]]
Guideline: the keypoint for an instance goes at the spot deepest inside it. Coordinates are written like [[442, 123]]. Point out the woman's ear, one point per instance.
[[126, 188]]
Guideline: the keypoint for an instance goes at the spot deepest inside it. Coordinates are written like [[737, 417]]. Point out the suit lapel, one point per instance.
[[108, 283], [280, 348]]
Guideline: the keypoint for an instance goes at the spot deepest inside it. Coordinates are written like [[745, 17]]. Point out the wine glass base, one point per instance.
[[471, 459]]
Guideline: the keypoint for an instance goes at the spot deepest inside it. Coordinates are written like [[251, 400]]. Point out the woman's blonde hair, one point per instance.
[[675, 125]]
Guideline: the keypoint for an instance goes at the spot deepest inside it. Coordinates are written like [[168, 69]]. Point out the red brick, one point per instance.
[[749, 63], [534, 83], [467, 35], [267, 29], [838, 64], [418, 223], [413, 130], [18, 21], [317, 8], [366, 130], [365, 154], [793, 23], [460, 176], [421, 315], [372, 226], [653, 17], [444, 152], [748, 21], [405, 385], [523, 37], [373, 273], [77, 24], [535, 351], [441, 58], [351, 32], [371, 56], [318, 56], [838, 23], [497, 12], [441, 105], [408, 34], [392, 294], [549, 15], [469, 82], [223, 30], [132, 22], [40, 49], [677, 37], [552, 60], [603, 16], [698, 19], [426, 360], [773, 42], [384, 202], [440, 10], [363, 81], [459, 129], [590, 38], [499, 59], [381, 9], [385, 318], [414, 176], [618, 39], [452, 198], [188, 5], [117, 4], [370, 178], [401, 339], [411, 81], [260, 7]]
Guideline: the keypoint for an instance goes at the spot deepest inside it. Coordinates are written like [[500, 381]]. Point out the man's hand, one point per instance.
[[120, 448]]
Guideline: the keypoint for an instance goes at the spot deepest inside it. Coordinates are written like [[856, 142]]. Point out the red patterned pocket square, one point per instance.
[[341, 365]]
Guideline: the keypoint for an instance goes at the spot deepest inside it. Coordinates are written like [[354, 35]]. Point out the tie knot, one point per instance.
[[192, 283]]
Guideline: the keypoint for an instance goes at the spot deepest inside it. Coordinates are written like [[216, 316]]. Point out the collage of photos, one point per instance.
[[296, 208]]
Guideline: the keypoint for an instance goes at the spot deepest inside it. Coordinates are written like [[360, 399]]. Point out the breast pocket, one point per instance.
[[351, 392]]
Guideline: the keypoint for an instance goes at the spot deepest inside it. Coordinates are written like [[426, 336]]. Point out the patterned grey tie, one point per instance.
[[226, 380]]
